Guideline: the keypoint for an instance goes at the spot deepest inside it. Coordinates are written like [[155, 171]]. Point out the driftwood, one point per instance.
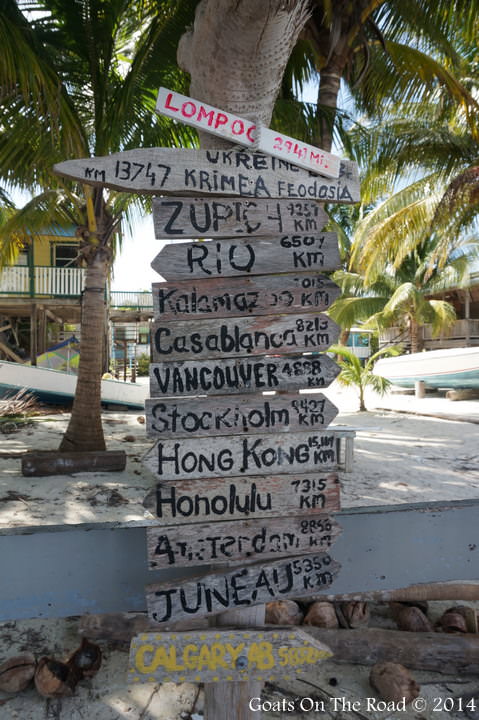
[[444, 653], [51, 462], [425, 591]]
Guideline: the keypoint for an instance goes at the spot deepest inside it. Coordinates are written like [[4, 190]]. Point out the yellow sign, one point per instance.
[[232, 655]]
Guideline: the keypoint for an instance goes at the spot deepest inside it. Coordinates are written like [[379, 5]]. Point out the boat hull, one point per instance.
[[450, 368], [58, 388]]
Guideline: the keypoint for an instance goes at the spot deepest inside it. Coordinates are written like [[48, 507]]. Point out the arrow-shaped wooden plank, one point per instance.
[[224, 124], [223, 655], [224, 415], [239, 588], [172, 171], [239, 455], [242, 295], [180, 217], [244, 256], [233, 337], [226, 655], [239, 541], [241, 375], [193, 501]]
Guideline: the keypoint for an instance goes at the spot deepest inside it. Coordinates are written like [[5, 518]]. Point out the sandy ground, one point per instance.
[[401, 456]]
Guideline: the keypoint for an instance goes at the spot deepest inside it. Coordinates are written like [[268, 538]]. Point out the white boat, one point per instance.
[[450, 368], [55, 387]]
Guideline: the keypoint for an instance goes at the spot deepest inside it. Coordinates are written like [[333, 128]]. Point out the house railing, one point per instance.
[[42, 281], [141, 300], [462, 334]]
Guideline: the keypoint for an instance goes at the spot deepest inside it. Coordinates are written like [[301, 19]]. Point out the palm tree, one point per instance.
[[354, 374], [403, 294], [79, 78]]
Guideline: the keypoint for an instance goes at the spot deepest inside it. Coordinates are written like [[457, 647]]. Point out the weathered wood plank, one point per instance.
[[239, 541], [251, 585], [244, 256], [197, 417], [226, 125], [180, 217], [194, 501], [230, 655], [237, 455], [233, 337], [173, 171], [52, 462], [233, 296], [241, 375]]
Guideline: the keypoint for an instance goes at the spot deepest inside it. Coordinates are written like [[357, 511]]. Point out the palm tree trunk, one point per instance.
[[414, 335], [236, 56], [330, 81], [85, 431]]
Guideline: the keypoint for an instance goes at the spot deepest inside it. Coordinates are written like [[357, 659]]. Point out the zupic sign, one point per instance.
[[240, 131], [223, 656]]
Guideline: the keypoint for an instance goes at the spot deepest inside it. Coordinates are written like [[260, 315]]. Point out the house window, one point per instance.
[[22, 259], [65, 255]]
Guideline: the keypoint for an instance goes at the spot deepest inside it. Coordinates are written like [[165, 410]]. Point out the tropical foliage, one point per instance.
[[355, 374]]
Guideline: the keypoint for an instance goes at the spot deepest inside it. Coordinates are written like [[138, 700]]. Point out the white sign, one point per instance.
[[245, 132]]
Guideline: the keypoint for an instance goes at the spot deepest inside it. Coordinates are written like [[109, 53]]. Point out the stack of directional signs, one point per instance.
[[244, 461]]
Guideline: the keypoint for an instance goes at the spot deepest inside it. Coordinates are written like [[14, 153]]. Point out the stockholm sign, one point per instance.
[[240, 131], [223, 655], [192, 417], [172, 171]]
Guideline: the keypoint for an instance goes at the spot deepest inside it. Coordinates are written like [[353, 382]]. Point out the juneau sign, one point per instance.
[[223, 415], [241, 375], [241, 541], [226, 456], [243, 295], [240, 131], [240, 588], [239, 498], [245, 256], [223, 655], [262, 335], [171, 171], [178, 217]]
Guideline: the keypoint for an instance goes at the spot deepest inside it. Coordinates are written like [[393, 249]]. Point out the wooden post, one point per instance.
[[237, 695], [419, 389], [33, 334]]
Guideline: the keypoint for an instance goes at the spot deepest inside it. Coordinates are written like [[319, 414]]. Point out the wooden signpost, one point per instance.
[[234, 337], [191, 417], [233, 296], [228, 655], [239, 498], [245, 132], [233, 321], [180, 217], [241, 375], [244, 541], [234, 173], [247, 256], [226, 456], [242, 587]]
